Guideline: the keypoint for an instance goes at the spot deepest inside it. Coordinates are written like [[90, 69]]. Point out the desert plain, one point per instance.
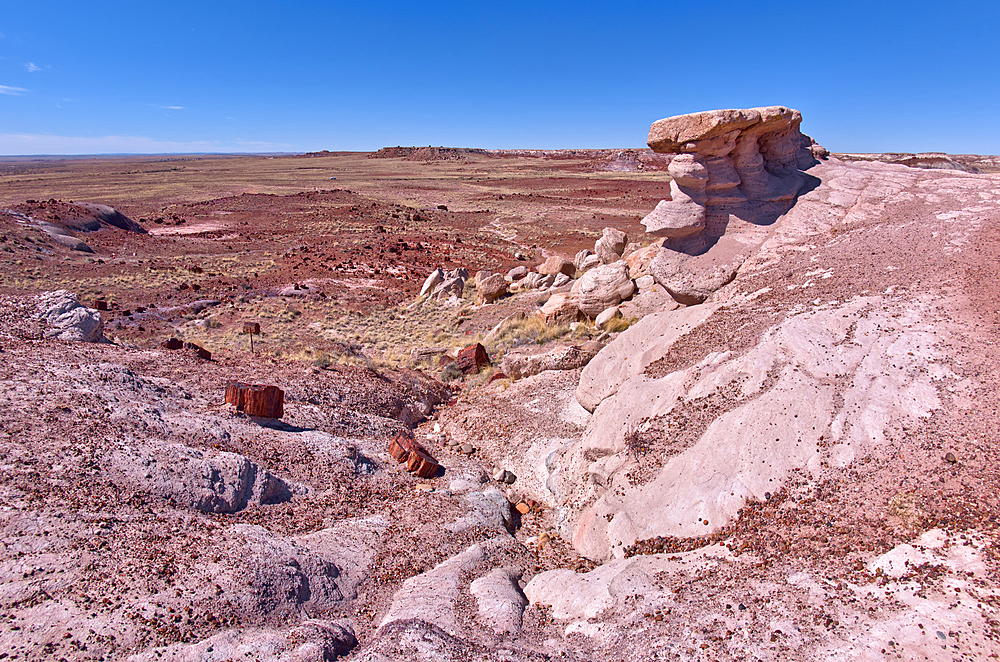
[[764, 429]]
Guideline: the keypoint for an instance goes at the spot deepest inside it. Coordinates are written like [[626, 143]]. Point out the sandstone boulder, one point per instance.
[[603, 287], [434, 279], [517, 273], [561, 308], [557, 264], [691, 280], [535, 281], [452, 287], [491, 288], [610, 246], [638, 261], [606, 316]]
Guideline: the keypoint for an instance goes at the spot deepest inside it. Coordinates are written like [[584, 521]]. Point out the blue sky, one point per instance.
[[143, 77]]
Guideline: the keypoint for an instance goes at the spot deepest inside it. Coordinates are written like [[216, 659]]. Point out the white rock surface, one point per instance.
[[773, 429], [642, 343], [68, 319], [500, 600], [432, 596]]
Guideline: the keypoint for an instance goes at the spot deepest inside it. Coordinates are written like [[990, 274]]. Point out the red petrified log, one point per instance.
[[398, 448], [256, 400], [236, 394], [200, 351], [173, 343], [472, 358], [101, 304], [422, 464], [403, 448], [265, 401]]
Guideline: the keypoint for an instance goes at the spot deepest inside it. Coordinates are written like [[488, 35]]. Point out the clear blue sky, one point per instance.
[[180, 76]]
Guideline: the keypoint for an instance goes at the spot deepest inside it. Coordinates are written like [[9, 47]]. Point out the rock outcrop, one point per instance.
[[211, 482], [443, 285], [727, 157], [68, 319], [520, 364]]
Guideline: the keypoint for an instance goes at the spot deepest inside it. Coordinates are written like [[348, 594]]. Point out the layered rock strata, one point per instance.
[[726, 157]]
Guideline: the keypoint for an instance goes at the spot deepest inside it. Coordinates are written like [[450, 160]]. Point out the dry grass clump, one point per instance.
[[393, 332], [619, 324], [530, 330]]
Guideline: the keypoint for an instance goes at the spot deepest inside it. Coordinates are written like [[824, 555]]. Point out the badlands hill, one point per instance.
[[742, 404]]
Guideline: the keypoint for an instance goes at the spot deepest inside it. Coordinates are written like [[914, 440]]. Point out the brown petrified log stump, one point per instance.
[[472, 358], [256, 399]]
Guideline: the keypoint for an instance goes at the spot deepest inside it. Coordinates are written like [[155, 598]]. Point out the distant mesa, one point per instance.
[[427, 153], [974, 164]]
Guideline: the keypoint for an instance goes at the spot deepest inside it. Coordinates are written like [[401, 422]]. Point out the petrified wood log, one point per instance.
[[236, 394], [256, 399], [472, 358], [398, 448], [421, 464], [404, 448]]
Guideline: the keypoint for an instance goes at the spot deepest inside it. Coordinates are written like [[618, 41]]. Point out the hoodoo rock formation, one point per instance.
[[725, 158]]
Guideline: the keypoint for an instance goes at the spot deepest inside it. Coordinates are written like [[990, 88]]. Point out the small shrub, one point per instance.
[[450, 373]]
